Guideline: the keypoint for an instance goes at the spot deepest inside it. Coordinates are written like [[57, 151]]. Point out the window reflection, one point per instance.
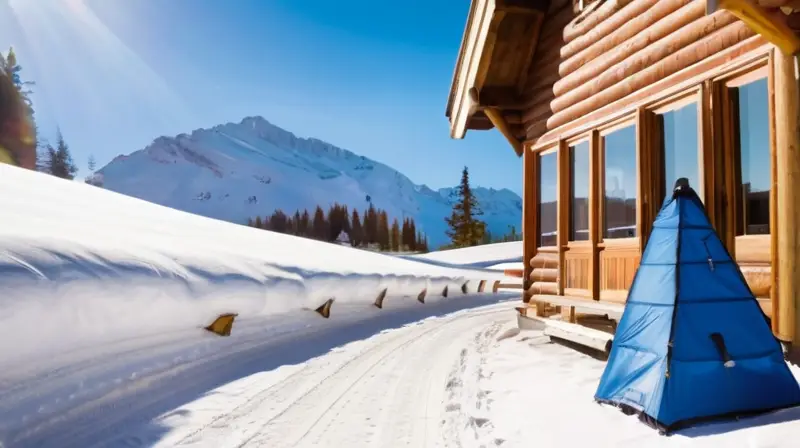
[[579, 192], [751, 138], [679, 142], [619, 198], [548, 199]]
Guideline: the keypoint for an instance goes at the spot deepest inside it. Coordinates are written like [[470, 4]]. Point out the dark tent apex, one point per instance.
[[681, 186]]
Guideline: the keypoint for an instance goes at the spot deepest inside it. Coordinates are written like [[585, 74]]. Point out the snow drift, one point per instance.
[[79, 263]]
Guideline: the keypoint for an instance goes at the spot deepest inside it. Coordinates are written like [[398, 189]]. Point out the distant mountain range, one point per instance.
[[237, 171]]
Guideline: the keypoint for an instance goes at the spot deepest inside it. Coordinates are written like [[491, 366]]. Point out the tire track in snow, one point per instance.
[[290, 424]]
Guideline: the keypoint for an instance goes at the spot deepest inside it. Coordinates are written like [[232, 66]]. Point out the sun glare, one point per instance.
[[71, 45]]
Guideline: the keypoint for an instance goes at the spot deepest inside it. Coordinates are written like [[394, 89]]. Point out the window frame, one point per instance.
[[729, 211], [621, 123], [654, 150], [568, 145], [537, 157]]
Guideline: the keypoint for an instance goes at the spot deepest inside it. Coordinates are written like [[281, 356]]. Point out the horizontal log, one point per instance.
[[543, 288], [544, 260], [537, 97], [752, 47], [644, 58], [514, 273], [683, 58], [579, 334], [759, 278], [547, 55], [545, 80], [554, 23], [592, 16], [753, 249], [656, 23], [544, 275], [537, 113], [534, 130], [621, 12]]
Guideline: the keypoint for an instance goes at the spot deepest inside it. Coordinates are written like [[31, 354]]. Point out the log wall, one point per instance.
[[631, 44], [619, 58]]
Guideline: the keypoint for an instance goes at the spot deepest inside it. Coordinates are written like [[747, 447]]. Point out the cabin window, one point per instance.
[[548, 199], [579, 192], [619, 193], [679, 141], [751, 141]]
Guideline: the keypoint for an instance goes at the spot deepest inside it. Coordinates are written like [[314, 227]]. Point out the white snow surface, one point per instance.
[[519, 389], [216, 172], [80, 264], [495, 256], [101, 297]]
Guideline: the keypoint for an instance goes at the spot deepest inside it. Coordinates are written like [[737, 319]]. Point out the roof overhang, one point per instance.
[[766, 17], [496, 50]]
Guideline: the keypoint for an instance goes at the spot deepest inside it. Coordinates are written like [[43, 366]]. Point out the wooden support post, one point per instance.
[[528, 220], [787, 151]]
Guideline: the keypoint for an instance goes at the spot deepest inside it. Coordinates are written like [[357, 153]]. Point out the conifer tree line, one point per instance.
[[52, 159], [370, 229]]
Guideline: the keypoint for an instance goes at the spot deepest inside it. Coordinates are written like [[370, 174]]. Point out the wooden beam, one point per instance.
[[497, 119], [528, 219], [500, 97], [500, 123], [769, 24], [788, 183]]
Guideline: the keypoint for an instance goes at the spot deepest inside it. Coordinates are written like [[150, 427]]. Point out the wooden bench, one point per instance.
[[579, 334], [589, 323]]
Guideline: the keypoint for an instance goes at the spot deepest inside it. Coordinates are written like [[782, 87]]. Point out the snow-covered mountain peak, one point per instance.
[[236, 171]]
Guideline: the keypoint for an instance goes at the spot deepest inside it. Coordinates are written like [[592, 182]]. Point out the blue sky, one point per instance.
[[368, 76]]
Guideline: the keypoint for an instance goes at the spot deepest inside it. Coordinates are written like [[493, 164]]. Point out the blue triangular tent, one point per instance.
[[693, 343]]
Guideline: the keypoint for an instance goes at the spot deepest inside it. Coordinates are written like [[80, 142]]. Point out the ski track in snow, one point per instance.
[[293, 382]]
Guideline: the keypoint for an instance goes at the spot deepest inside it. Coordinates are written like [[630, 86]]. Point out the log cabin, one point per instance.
[[608, 103]]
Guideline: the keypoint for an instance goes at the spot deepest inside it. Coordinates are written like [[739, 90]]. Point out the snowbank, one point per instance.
[[486, 256], [80, 264]]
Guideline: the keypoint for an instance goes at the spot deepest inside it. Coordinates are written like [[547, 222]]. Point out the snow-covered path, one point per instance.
[[385, 391], [275, 382]]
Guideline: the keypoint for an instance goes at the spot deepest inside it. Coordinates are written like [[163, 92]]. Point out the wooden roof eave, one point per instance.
[[476, 61], [470, 59]]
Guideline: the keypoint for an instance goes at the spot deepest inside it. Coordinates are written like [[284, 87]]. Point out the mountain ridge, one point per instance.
[[235, 171]]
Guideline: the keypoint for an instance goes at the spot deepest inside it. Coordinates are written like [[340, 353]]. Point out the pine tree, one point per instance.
[[296, 223], [383, 235], [258, 224], [465, 229], [93, 178], [357, 232], [320, 226], [412, 236], [404, 242], [19, 114], [61, 164], [371, 225], [278, 222], [422, 243], [304, 226], [395, 237]]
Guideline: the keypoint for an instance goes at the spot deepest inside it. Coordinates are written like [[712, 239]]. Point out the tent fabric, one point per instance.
[[664, 363]]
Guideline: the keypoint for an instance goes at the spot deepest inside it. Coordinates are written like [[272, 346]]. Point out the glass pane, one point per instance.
[[548, 199], [752, 135], [579, 192], [619, 198], [680, 142]]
